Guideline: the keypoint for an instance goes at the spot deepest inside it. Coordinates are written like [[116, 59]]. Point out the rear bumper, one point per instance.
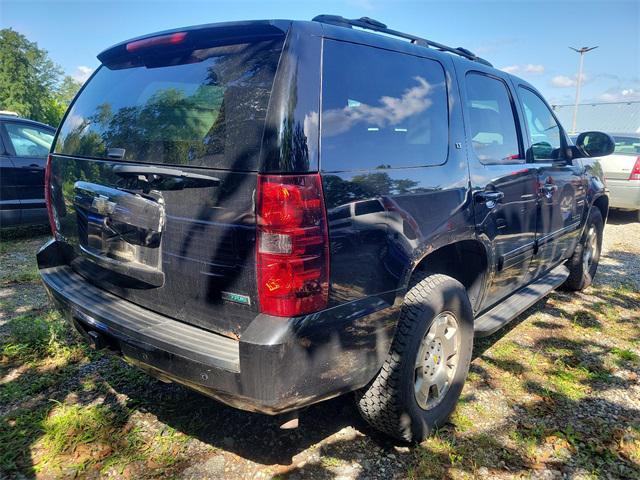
[[624, 194], [280, 364]]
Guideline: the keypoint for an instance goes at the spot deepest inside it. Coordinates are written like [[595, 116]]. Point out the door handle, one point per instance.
[[548, 189], [489, 197]]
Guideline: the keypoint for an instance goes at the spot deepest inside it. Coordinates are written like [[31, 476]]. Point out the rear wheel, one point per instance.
[[420, 382], [584, 262]]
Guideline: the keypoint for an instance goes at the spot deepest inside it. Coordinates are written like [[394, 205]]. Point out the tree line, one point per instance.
[[31, 83]]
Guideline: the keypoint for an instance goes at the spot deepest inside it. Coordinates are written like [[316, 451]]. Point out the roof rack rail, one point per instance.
[[376, 26]]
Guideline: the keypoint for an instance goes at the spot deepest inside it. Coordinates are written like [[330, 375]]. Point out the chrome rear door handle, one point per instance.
[[548, 189], [489, 197]]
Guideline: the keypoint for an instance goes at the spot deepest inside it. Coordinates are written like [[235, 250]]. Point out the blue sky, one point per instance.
[[528, 38]]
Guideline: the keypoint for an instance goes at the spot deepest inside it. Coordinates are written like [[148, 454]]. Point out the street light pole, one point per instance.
[[581, 51]]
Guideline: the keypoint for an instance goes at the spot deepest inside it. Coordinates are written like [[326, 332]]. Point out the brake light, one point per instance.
[[47, 196], [292, 245], [170, 39], [635, 172]]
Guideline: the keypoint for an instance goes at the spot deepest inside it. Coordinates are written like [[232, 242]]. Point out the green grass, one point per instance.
[[31, 383], [22, 274], [73, 425], [625, 356], [80, 437], [330, 462], [18, 431], [36, 337]]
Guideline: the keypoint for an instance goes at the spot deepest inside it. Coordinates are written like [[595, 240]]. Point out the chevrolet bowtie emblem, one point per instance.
[[103, 205]]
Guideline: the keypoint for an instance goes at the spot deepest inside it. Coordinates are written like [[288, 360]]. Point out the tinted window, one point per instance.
[[29, 141], [209, 112], [544, 131], [381, 108], [627, 145], [491, 120], [369, 206]]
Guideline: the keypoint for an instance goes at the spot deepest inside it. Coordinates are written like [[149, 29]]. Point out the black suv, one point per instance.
[[24, 145], [275, 213]]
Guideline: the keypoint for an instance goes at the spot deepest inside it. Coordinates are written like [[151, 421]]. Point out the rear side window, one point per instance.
[[381, 108], [492, 120], [29, 141], [209, 113]]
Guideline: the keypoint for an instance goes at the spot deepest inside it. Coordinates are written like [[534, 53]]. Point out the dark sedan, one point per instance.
[[24, 145]]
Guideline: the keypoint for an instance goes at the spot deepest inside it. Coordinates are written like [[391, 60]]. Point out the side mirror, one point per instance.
[[594, 144]]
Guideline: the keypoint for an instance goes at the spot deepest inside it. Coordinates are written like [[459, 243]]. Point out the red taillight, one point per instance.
[[635, 172], [292, 245], [171, 39], [47, 196]]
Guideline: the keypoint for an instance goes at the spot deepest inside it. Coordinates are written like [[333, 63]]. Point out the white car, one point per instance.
[[622, 172]]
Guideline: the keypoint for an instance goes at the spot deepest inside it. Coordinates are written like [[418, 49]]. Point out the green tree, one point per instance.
[[31, 84], [67, 90]]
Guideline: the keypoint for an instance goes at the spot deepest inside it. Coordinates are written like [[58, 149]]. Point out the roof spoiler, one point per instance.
[[131, 52]]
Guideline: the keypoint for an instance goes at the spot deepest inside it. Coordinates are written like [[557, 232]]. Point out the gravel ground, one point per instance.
[[553, 395]]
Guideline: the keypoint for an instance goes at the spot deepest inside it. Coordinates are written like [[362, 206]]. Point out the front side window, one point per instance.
[[544, 131], [381, 108], [29, 141], [494, 136]]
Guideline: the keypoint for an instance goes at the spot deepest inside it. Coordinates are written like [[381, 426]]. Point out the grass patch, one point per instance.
[[71, 425], [330, 462], [33, 337], [625, 356], [31, 383], [18, 431], [461, 421], [27, 275], [38, 352], [570, 382], [77, 437]]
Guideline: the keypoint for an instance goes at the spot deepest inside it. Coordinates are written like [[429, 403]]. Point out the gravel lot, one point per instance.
[[556, 394]]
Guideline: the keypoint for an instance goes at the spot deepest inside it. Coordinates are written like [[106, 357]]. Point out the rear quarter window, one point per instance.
[[381, 109], [209, 112]]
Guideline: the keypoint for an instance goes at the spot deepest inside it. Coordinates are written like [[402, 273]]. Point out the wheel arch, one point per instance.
[[464, 260]]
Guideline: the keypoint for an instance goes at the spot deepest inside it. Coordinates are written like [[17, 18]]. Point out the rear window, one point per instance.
[[381, 108], [627, 145], [210, 113]]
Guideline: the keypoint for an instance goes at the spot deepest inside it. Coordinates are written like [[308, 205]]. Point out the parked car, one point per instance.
[[24, 145], [622, 172], [260, 211]]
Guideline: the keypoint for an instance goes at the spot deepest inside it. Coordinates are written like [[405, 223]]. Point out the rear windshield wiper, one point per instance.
[[159, 178]]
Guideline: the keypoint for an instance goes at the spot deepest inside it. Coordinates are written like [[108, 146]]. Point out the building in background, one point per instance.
[[617, 117]]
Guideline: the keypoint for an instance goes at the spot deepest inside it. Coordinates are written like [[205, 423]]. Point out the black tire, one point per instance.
[[581, 274], [389, 402]]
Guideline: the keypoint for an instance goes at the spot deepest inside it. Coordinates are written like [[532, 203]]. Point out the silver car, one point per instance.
[[622, 172]]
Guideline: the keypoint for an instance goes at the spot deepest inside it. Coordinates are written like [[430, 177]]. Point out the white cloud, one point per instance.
[[562, 81], [82, 73], [626, 94], [530, 68], [534, 68], [389, 111], [511, 68]]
